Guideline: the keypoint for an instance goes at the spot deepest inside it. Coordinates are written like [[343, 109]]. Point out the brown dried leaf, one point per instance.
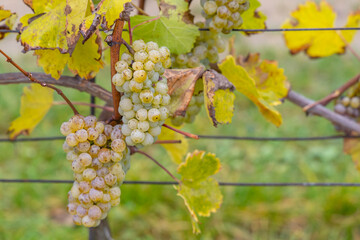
[[181, 84]]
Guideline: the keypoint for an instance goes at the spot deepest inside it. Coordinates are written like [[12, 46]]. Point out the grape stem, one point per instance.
[[43, 84], [334, 94], [159, 164], [106, 108], [114, 55], [190, 135]]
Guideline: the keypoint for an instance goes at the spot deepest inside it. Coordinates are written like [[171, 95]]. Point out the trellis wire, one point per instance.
[[219, 137], [234, 184], [253, 30]]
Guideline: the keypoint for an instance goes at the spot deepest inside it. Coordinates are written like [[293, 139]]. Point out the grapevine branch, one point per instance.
[[320, 110], [98, 91], [159, 164], [43, 84], [334, 94], [114, 53], [65, 81]]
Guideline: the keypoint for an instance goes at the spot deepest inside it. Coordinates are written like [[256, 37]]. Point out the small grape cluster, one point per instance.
[[224, 15], [145, 99], [192, 110], [206, 50], [100, 159], [348, 106]]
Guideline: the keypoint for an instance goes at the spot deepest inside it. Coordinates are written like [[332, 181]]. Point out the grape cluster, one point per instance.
[[100, 159], [224, 15], [206, 50], [192, 110], [144, 102], [348, 106]]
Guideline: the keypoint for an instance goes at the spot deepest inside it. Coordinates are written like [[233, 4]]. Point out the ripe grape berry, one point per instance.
[[100, 159], [143, 105], [206, 50], [224, 15]]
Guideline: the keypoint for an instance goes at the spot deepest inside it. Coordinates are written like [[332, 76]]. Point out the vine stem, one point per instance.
[[106, 108], [114, 55], [159, 164], [150, 20], [130, 32], [139, 8], [347, 44], [43, 84], [334, 94], [190, 135]]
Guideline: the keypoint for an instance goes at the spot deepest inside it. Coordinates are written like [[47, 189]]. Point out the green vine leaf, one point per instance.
[[252, 18], [177, 9], [198, 189], [178, 36]]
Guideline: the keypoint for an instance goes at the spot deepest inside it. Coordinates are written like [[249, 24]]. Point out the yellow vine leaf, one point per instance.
[[318, 43], [35, 103], [4, 14], [52, 61], [252, 18], [55, 24], [270, 80], [247, 85], [176, 151], [200, 192], [107, 11], [7, 21], [218, 97], [85, 60]]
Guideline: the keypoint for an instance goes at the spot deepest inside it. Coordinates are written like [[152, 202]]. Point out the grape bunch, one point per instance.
[[100, 159], [206, 50], [192, 110], [144, 102], [348, 106], [224, 15]]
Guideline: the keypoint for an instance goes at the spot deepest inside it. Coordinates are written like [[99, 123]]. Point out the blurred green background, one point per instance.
[[38, 211]]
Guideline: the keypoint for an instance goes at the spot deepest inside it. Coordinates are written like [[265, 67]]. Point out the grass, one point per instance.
[[38, 211]]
